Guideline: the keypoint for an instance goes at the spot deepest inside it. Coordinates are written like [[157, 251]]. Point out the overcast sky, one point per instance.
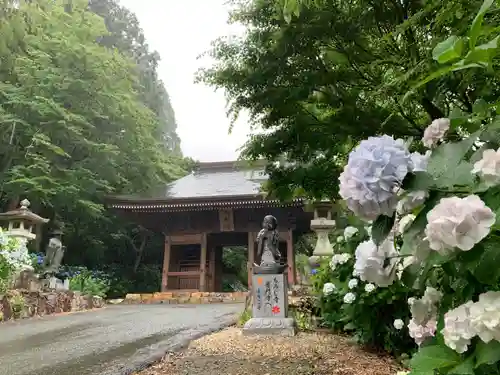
[[180, 30]]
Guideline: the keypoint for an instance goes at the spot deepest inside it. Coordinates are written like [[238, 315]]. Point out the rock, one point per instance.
[[17, 304], [116, 301], [97, 302]]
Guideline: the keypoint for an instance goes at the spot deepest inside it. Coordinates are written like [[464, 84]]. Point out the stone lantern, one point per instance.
[[21, 222], [322, 224]]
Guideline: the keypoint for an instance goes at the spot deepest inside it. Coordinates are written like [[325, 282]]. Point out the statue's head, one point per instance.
[[270, 222], [57, 233]]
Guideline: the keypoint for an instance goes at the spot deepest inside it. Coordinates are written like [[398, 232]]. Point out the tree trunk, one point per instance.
[[139, 252]]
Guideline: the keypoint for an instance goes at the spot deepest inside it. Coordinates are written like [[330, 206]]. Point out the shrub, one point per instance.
[[95, 283], [350, 305], [245, 316], [14, 258], [449, 252]]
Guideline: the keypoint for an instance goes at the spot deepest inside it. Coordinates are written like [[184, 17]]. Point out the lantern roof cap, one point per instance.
[[23, 213]]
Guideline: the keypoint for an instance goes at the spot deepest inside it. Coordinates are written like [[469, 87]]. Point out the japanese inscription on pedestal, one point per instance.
[[269, 295]]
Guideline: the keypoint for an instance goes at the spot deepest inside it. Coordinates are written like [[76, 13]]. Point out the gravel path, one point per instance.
[[114, 340], [229, 353]]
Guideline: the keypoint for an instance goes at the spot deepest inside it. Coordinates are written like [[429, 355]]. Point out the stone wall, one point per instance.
[[18, 304], [186, 297]]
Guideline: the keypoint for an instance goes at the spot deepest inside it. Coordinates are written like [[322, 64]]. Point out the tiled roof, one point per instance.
[[213, 180], [211, 186]]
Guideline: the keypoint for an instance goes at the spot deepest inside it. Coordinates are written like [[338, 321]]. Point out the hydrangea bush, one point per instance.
[[448, 251], [14, 258], [373, 315], [81, 279]]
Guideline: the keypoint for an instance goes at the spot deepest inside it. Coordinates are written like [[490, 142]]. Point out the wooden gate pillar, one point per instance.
[[290, 256], [166, 264]]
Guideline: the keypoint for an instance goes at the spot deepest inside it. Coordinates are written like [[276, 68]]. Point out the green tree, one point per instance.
[[318, 76], [76, 125], [126, 35]]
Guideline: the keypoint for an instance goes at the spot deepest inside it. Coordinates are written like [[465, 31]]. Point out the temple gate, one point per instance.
[[218, 205]]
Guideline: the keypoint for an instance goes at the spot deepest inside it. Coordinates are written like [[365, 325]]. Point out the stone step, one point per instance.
[[185, 297]]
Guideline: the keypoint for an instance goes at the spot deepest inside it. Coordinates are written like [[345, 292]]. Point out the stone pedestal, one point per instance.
[[270, 306]]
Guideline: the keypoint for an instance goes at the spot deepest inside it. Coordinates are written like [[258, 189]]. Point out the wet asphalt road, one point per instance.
[[114, 340]]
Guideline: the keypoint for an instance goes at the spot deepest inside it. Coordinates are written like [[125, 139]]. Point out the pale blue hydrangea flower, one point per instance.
[[16, 254], [419, 162], [373, 174]]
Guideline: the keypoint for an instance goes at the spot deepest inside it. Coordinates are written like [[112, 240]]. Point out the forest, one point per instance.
[[79, 85]]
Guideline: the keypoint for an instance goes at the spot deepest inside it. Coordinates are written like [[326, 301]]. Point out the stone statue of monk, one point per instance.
[[268, 242]]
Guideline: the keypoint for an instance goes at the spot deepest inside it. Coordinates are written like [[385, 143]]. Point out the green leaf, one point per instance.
[[335, 57], [462, 65], [464, 368], [475, 29], [290, 8], [483, 269], [417, 181], [492, 199], [381, 228], [434, 357], [447, 167], [410, 275], [457, 118], [484, 53], [417, 227], [436, 74], [349, 326], [487, 354], [448, 50]]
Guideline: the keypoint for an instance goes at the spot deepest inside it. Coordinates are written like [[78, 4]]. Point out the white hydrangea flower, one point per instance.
[[432, 295], [405, 222], [399, 324], [373, 174], [419, 162], [349, 232], [423, 323], [371, 261], [435, 132], [458, 222], [349, 298], [488, 168], [339, 259], [411, 200], [457, 331], [370, 287], [485, 316], [340, 239], [425, 308], [420, 332], [353, 283], [328, 288], [4, 239]]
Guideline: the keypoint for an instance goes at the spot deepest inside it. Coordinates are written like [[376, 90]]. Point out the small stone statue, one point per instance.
[[268, 247], [53, 254]]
